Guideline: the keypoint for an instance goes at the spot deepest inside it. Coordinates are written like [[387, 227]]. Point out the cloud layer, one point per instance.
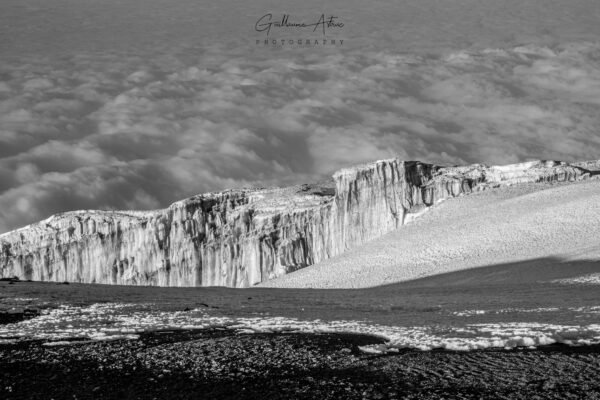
[[117, 131]]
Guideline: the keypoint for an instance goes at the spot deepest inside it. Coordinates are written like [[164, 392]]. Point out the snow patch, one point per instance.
[[127, 321], [21, 299], [590, 279], [472, 313]]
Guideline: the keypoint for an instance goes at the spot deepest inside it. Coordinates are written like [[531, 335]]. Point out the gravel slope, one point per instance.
[[508, 224], [221, 365]]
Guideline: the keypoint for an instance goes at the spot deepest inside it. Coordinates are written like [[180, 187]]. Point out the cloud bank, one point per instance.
[[119, 132]]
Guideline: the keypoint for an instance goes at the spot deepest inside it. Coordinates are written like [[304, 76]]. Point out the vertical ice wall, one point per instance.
[[239, 238]]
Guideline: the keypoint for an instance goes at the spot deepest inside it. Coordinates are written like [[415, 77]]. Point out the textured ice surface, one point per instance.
[[507, 225], [242, 238]]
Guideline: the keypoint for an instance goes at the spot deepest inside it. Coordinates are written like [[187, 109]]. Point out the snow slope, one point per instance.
[[508, 224]]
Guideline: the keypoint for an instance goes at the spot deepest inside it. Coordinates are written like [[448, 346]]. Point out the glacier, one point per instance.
[[239, 238]]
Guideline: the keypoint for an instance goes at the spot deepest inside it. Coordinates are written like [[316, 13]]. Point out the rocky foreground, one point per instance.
[[239, 238], [54, 351], [219, 364]]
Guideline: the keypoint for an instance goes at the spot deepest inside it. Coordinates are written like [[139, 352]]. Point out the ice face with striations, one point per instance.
[[242, 237]]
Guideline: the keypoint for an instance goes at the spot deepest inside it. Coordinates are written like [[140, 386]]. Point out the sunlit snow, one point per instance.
[[110, 321]]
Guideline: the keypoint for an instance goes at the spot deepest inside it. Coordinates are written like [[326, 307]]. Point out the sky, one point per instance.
[[110, 104]]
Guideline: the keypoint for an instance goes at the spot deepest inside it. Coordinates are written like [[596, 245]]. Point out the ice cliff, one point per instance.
[[242, 237]]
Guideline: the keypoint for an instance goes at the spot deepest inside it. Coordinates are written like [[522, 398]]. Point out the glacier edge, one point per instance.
[[239, 238]]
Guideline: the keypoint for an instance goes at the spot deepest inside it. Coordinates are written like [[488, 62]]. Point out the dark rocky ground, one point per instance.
[[10, 317], [219, 364]]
